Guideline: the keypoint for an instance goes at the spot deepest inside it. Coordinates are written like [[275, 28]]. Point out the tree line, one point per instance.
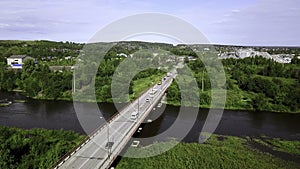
[[38, 49], [257, 83]]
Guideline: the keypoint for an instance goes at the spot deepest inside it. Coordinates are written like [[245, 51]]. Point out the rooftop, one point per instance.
[[17, 56]]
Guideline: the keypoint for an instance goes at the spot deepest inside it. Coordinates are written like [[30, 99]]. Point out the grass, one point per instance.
[[291, 147], [4, 104], [218, 152], [140, 85], [20, 101]]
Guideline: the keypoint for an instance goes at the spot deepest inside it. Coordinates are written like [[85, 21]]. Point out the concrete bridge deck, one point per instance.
[[95, 152]]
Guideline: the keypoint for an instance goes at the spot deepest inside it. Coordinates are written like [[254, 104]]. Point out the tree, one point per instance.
[[186, 60], [31, 86], [260, 102], [27, 68], [295, 60]]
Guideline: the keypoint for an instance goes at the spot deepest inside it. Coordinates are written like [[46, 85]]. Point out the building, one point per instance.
[[16, 61]]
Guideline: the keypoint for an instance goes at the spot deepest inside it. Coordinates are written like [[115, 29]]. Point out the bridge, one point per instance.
[[114, 135]]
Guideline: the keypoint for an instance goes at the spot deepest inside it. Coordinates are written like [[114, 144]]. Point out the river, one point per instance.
[[61, 115]]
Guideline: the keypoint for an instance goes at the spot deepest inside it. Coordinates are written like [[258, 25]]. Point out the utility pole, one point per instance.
[[74, 81], [108, 142], [107, 132], [202, 84], [138, 105]]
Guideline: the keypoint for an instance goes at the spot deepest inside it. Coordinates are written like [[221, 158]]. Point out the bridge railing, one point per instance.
[[78, 147], [65, 157], [134, 128]]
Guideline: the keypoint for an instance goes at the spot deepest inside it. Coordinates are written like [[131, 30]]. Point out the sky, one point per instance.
[[235, 22]]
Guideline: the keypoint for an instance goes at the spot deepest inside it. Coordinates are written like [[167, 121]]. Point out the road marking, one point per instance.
[[100, 147], [121, 130]]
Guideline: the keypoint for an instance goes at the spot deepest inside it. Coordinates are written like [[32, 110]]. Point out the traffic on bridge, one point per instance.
[[104, 145]]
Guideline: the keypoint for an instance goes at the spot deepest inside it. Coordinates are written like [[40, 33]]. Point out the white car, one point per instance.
[[134, 115], [135, 143]]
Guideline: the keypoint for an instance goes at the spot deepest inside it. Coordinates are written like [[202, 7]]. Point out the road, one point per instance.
[[93, 153]]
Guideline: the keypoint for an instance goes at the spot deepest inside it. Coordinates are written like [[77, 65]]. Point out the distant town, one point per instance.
[[62, 55], [240, 53]]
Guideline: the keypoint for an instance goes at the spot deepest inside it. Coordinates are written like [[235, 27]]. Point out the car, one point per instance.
[[135, 143], [134, 115], [147, 100]]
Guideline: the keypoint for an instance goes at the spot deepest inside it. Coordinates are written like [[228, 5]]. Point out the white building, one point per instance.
[[16, 61]]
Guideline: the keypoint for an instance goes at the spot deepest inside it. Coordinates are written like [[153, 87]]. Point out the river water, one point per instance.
[[61, 115]]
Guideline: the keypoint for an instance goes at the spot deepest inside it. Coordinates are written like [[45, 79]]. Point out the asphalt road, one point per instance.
[[94, 154]]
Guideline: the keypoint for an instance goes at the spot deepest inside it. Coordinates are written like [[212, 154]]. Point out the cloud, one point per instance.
[[236, 11], [4, 25], [273, 22], [263, 23]]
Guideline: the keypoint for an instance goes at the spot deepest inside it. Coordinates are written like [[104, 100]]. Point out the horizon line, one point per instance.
[[217, 44]]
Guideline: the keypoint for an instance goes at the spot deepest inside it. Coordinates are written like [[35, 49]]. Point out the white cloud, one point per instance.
[[263, 23], [236, 11], [234, 22], [3, 25]]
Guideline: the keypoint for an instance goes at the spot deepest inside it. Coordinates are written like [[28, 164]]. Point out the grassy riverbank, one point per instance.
[[218, 152], [41, 148], [235, 100]]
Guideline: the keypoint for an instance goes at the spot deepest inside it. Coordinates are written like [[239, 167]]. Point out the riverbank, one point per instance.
[[38, 148], [231, 108], [172, 103], [219, 152]]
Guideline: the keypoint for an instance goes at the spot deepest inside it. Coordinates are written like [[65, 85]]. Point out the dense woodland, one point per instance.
[[252, 83]]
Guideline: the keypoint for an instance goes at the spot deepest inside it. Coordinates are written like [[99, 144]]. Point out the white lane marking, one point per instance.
[[126, 110], [102, 145]]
